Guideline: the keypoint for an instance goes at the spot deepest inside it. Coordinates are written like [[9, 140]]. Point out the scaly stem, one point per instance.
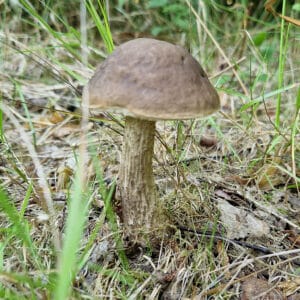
[[140, 206]]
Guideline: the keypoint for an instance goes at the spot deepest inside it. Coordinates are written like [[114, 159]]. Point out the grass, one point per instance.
[[60, 236], [283, 48]]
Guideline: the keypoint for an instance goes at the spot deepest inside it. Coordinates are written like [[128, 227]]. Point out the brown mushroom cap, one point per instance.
[[154, 80]]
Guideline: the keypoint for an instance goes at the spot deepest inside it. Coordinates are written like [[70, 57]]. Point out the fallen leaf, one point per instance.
[[64, 174], [294, 237], [68, 129], [56, 117], [290, 287], [295, 202], [269, 7], [240, 223], [255, 288], [240, 180], [268, 177], [294, 297]]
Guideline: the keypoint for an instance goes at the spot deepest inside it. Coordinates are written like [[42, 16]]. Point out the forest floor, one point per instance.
[[229, 182]]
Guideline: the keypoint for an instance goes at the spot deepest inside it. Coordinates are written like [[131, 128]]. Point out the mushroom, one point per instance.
[[147, 80]]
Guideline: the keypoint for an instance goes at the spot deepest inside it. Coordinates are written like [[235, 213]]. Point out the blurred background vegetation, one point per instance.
[[241, 27]]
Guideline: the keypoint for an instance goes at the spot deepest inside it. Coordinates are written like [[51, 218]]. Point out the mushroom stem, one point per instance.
[[136, 182]]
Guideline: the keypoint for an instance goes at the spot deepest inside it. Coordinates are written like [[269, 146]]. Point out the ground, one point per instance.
[[229, 183]]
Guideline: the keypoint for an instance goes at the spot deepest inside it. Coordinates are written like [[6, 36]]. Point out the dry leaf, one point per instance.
[[63, 177], [290, 287], [68, 129], [294, 297], [240, 223], [294, 237], [240, 180], [56, 117], [269, 7], [255, 288], [41, 122], [295, 202], [268, 177]]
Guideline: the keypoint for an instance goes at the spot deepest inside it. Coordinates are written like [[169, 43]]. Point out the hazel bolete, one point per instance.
[[147, 80]]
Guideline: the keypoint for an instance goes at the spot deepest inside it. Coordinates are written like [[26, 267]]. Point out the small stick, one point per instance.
[[262, 249]]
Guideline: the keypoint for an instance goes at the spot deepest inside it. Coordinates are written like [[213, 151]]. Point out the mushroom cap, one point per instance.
[[153, 80]]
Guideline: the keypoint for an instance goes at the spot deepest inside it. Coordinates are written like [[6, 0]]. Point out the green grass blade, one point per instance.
[[102, 26], [78, 207], [110, 45], [43, 23], [298, 101], [266, 96], [20, 225], [282, 58], [26, 200], [109, 212]]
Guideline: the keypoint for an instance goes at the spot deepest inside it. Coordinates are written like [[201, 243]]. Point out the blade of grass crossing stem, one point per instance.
[[102, 25], [20, 225], [77, 216], [282, 58], [106, 196]]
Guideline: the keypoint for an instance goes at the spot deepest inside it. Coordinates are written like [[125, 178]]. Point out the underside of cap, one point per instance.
[[152, 79]]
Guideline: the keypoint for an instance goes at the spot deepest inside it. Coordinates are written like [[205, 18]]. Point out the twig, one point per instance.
[[262, 249], [267, 209]]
